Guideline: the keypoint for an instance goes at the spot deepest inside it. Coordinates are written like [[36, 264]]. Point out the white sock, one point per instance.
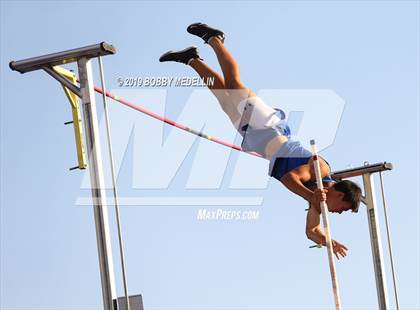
[[211, 38]]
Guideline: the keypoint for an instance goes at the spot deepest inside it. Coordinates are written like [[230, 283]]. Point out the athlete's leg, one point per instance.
[[189, 56], [218, 89], [228, 64], [236, 91], [207, 74]]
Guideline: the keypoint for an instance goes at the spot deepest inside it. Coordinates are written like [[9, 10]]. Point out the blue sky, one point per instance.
[[365, 52]]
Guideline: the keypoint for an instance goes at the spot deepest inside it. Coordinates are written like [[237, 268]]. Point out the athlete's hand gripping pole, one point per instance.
[[324, 211]]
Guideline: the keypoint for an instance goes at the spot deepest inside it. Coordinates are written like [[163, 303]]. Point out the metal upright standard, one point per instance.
[[369, 200], [86, 93]]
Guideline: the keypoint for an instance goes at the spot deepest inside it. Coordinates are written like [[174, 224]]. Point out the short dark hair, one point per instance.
[[352, 193]]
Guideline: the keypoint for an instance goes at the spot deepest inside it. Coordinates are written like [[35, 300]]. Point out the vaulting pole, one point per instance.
[[324, 211]]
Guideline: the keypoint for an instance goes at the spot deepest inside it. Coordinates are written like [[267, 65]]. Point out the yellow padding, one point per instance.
[[77, 120]]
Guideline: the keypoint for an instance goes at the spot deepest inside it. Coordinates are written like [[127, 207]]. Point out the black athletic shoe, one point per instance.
[[183, 56], [205, 32]]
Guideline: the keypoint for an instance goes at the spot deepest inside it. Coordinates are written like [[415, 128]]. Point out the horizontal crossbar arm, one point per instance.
[[354, 172], [50, 60]]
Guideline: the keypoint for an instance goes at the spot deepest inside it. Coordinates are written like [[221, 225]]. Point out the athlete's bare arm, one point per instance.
[[294, 179], [294, 182], [314, 232], [313, 226]]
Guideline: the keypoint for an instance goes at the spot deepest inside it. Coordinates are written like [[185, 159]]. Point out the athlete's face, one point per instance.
[[335, 201]]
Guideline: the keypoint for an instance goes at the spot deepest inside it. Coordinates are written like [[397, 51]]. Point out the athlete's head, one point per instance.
[[343, 196]]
